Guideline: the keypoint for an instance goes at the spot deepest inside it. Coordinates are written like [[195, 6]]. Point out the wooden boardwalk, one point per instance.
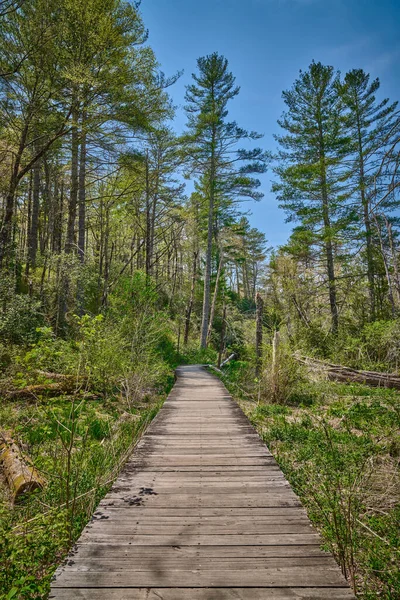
[[200, 512]]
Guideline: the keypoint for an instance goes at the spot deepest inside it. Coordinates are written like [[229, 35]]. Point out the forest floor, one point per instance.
[[78, 445], [339, 446]]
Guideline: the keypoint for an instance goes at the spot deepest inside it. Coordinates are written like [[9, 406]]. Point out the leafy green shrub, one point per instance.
[[281, 381], [50, 353], [19, 318], [193, 355]]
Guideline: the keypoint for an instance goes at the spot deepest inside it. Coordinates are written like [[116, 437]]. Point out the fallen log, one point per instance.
[[21, 475], [60, 376], [340, 373], [45, 389]]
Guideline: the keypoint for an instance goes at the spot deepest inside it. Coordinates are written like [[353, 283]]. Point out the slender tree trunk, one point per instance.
[[222, 337], [275, 367], [33, 230], [367, 225], [74, 186], [215, 296], [207, 273], [394, 259], [148, 219], [191, 299], [82, 194], [386, 265], [327, 235], [29, 219], [107, 260], [259, 333], [58, 215]]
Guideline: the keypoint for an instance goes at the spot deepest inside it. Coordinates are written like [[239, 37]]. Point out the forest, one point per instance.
[[126, 250]]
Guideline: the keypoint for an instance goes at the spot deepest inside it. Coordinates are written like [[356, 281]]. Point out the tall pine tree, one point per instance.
[[310, 165], [373, 125], [211, 151]]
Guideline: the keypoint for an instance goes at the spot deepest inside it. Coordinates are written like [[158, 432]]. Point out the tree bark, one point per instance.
[[259, 333], [191, 299], [207, 273], [82, 194], [148, 218], [386, 265], [74, 186], [275, 367], [327, 235], [215, 296], [222, 337], [394, 259], [340, 373], [367, 225], [33, 230], [21, 475]]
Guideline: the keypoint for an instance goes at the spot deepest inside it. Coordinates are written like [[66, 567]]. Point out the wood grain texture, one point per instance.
[[201, 511]]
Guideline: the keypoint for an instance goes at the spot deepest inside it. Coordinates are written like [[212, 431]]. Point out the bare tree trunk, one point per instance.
[[73, 197], [33, 231], [259, 333], [222, 337], [191, 299], [28, 224], [207, 273], [367, 225], [58, 215], [327, 232], [275, 366], [386, 265], [215, 296], [82, 194], [148, 219], [394, 259]]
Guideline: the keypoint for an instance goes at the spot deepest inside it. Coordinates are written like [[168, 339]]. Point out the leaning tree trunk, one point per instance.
[[21, 475]]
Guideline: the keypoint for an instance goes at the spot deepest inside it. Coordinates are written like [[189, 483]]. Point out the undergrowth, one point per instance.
[[339, 446], [79, 448]]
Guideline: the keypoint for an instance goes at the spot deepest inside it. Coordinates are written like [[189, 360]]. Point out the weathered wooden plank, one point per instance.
[[204, 594], [178, 563], [134, 552], [183, 539], [134, 529], [197, 512], [318, 576], [200, 512], [186, 500]]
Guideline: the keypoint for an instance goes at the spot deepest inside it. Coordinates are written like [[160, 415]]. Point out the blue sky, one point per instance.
[[267, 42]]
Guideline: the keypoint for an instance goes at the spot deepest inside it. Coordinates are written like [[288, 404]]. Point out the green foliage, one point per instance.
[[340, 456], [80, 447], [375, 346], [20, 315], [193, 355]]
